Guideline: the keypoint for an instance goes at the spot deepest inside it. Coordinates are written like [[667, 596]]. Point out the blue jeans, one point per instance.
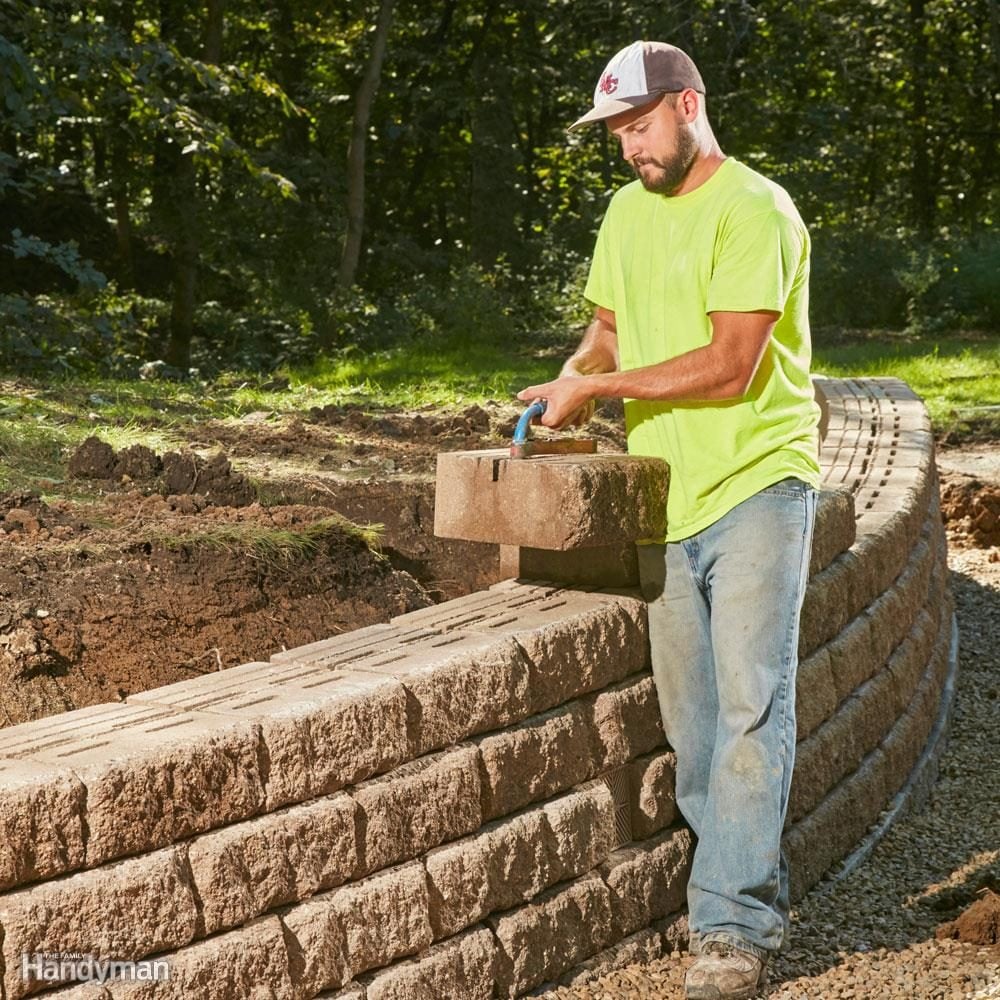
[[724, 629]]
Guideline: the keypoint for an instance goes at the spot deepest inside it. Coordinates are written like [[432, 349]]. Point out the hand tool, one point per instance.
[[523, 446]]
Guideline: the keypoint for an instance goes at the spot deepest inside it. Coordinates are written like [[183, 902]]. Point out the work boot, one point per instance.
[[723, 972]]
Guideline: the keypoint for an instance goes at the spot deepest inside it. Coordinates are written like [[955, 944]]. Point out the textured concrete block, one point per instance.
[[566, 635], [852, 657], [540, 941], [815, 692], [826, 606], [504, 864], [246, 869], [459, 969], [835, 529], [152, 775], [322, 729], [337, 935], [555, 502], [84, 991], [876, 710], [510, 861], [533, 761], [812, 778], [582, 825], [248, 962], [123, 911], [418, 806], [651, 793], [41, 821], [626, 721], [648, 880]]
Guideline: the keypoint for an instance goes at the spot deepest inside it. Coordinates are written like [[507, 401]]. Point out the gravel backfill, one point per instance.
[[873, 933]]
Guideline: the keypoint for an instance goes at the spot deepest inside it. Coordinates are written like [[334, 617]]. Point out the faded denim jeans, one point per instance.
[[724, 630]]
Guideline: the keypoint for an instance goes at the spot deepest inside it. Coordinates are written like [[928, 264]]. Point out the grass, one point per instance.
[[957, 375], [273, 546]]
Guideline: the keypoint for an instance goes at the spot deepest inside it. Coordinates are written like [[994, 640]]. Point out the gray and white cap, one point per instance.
[[636, 75]]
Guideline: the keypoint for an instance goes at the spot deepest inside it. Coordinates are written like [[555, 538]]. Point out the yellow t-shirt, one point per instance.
[[734, 244]]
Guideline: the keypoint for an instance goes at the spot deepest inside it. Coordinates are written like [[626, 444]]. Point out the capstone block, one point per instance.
[[551, 502]]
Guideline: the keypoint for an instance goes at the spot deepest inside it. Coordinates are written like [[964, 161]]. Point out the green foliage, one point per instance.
[[144, 166]]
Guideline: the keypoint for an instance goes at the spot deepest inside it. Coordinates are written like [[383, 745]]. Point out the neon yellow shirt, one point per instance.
[[734, 244]]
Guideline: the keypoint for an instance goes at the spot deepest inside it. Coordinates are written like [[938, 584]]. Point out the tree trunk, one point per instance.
[[921, 190], [184, 214], [356, 151]]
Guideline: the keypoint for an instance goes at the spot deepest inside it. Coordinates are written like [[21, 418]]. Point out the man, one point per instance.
[[700, 282]]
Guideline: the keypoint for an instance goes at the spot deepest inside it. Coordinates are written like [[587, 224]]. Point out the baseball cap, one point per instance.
[[636, 75]]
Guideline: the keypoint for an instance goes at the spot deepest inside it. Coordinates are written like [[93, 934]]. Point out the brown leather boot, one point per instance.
[[723, 972]]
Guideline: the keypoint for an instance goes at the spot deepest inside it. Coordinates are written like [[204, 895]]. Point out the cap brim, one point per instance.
[[608, 109]]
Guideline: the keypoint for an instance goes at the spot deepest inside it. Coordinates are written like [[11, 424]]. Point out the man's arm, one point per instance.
[[722, 369]]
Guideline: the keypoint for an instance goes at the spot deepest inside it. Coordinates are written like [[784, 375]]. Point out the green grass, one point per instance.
[[273, 546], [957, 377]]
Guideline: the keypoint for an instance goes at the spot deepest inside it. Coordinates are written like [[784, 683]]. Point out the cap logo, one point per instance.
[[608, 84]]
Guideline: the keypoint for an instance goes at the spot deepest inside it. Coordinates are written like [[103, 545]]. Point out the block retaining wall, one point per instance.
[[474, 800]]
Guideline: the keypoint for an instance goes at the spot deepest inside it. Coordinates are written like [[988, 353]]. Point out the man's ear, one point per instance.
[[689, 104]]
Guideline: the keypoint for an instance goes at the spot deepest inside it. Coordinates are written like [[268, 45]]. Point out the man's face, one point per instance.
[[657, 143]]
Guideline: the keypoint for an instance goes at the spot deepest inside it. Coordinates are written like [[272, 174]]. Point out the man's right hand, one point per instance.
[[578, 365]]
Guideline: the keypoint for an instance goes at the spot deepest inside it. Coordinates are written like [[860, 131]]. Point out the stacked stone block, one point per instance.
[[474, 800]]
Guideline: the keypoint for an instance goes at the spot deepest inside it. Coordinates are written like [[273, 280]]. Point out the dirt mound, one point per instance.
[[93, 613], [970, 508], [175, 473], [979, 924]]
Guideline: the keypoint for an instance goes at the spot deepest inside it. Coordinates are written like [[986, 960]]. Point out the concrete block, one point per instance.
[[459, 969], [648, 880], [566, 635], [506, 863], [601, 566], [552, 502], [251, 962], [321, 729], [512, 860], [852, 657], [826, 606], [875, 711], [246, 869], [625, 721], [582, 825], [41, 821], [560, 928], [549, 753], [337, 935], [812, 777], [84, 991], [815, 692], [835, 529], [651, 793], [418, 806], [152, 775], [123, 911]]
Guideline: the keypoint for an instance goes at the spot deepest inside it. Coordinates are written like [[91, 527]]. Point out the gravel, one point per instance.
[[871, 934]]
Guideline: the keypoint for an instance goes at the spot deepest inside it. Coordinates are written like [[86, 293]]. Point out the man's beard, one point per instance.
[[669, 174]]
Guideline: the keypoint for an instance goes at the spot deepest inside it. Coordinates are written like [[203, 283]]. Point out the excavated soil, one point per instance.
[[979, 924], [244, 541]]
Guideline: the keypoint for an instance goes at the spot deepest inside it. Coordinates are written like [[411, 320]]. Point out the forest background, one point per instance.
[[253, 185]]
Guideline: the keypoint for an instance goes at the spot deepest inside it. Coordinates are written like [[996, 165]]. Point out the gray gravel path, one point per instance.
[[871, 935]]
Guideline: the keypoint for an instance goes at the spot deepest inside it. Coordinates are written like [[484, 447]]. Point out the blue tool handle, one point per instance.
[[536, 409]]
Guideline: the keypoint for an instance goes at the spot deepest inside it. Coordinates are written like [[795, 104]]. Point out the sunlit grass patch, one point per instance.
[[268, 544]]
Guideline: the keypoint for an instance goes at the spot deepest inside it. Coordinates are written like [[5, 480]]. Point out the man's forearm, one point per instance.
[[598, 350]]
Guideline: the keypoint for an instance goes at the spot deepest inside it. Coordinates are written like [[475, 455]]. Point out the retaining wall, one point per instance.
[[475, 799]]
